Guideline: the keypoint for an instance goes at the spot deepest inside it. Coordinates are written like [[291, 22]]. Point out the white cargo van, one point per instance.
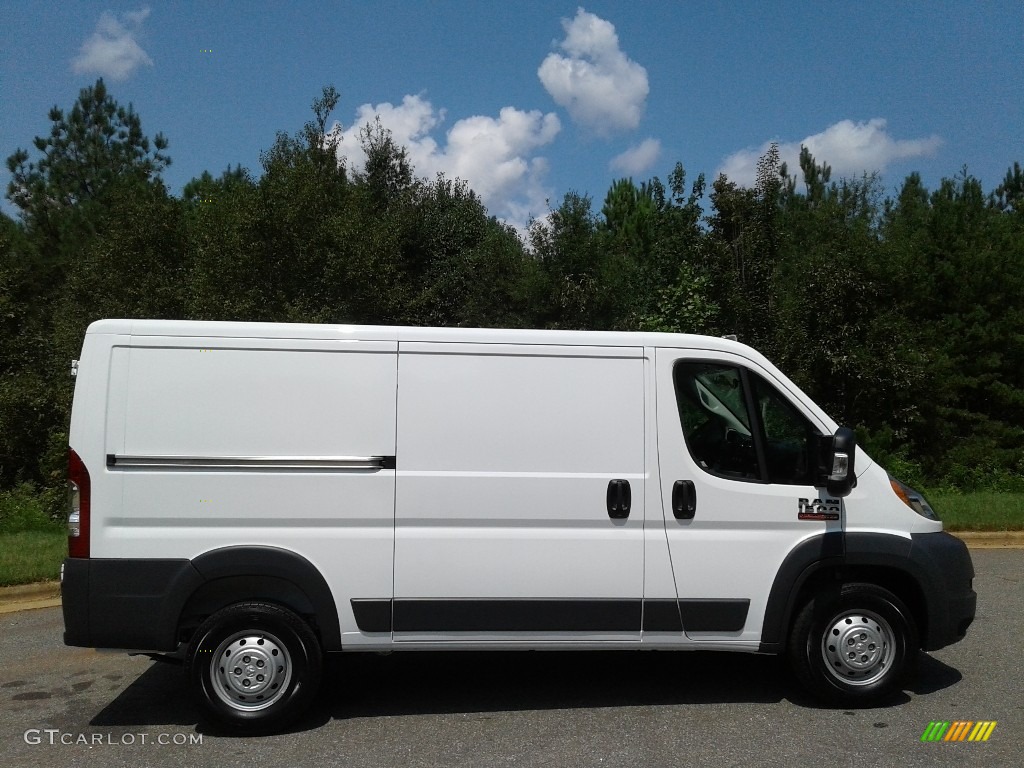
[[257, 495]]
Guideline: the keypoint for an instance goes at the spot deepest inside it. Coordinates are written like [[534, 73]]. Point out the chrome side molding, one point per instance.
[[332, 463]]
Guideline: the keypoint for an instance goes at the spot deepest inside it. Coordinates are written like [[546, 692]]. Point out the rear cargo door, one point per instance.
[[520, 493]]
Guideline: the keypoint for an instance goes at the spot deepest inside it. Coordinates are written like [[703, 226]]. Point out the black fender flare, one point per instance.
[[261, 562], [804, 559], [937, 565]]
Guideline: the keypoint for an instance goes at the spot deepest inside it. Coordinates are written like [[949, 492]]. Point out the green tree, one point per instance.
[[744, 251], [87, 150], [469, 269], [26, 411], [629, 216], [388, 172], [958, 257], [567, 246], [837, 332], [68, 199], [678, 289], [1009, 195], [224, 270], [626, 235], [293, 240]]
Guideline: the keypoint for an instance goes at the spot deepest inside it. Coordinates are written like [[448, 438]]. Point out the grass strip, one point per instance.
[[979, 511], [30, 556]]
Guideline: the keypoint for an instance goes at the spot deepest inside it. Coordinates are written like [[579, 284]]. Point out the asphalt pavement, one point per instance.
[[73, 706]]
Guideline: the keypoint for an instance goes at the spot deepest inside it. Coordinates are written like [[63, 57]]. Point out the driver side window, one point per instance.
[[715, 419], [775, 443]]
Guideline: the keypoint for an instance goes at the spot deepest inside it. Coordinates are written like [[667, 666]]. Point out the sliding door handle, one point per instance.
[[684, 500], [619, 499]]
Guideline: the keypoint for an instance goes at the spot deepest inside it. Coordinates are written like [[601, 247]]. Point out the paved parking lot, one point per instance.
[[523, 709]]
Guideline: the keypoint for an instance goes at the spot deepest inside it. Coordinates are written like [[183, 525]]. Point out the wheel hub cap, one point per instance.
[[250, 671], [858, 647]]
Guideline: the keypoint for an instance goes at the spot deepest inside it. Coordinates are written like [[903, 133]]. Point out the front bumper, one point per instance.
[[948, 573]]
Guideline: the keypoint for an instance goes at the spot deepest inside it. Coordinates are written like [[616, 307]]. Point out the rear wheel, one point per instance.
[[254, 666], [853, 645]]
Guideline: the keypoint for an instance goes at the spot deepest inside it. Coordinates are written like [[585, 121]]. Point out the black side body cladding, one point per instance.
[[140, 603], [714, 615], [372, 615], [144, 603], [517, 615], [74, 593], [662, 616], [937, 564], [125, 603], [404, 615]]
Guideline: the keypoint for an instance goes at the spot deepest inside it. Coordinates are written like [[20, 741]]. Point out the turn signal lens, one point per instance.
[[916, 501]]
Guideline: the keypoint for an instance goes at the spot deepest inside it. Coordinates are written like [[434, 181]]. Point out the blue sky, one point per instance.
[[529, 100]]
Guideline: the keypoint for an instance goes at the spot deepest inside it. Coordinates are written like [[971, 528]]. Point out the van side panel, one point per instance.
[[297, 421], [505, 456], [231, 398]]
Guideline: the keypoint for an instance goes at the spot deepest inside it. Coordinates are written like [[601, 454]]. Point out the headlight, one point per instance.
[[913, 499]]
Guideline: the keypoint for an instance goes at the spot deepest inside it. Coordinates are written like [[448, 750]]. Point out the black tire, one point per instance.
[[254, 667], [854, 644]]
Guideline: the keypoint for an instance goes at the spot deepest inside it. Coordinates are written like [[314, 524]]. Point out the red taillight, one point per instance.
[[78, 506]]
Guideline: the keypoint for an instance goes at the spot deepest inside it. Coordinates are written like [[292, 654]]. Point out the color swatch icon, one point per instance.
[[958, 730]]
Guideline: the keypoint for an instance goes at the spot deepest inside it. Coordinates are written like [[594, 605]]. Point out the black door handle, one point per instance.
[[619, 499], [684, 500]]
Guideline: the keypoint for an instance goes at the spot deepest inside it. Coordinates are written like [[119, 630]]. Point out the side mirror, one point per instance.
[[839, 467]]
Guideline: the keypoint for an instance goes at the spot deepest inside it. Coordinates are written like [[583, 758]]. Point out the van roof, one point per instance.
[[220, 329]]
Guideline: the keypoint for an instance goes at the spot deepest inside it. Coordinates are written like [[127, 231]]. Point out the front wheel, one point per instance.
[[853, 646], [255, 666]]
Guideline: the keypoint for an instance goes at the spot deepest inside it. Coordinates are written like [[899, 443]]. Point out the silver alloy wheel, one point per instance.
[[250, 670], [858, 647]]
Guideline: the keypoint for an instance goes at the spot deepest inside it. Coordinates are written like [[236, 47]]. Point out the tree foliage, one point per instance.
[[88, 151], [902, 315]]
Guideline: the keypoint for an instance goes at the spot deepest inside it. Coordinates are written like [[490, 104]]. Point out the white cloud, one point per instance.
[[637, 159], [495, 156], [137, 17], [602, 89], [112, 50], [850, 148], [410, 124]]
